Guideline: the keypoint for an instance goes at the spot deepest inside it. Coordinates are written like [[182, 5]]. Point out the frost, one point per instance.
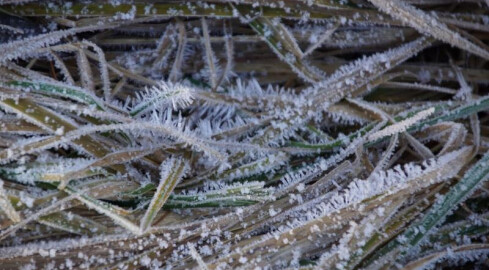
[[243, 260], [26, 199], [243, 134], [164, 93], [402, 125], [60, 131], [427, 24]]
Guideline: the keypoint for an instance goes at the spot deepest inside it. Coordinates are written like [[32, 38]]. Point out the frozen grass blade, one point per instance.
[[59, 63], [37, 115], [325, 36], [6, 206], [468, 252], [72, 223], [417, 232], [61, 90], [209, 55], [428, 24], [104, 71], [174, 94], [172, 171], [283, 44], [166, 45], [234, 195], [176, 71], [84, 70], [105, 208]]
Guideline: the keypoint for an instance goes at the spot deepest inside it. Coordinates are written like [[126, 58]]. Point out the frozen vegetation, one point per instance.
[[244, 134]]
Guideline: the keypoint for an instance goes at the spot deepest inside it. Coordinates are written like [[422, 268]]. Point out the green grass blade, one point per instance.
[[61, 90], [171, 173]]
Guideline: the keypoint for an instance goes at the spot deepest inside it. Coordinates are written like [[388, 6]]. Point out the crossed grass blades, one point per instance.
[[223, 134]]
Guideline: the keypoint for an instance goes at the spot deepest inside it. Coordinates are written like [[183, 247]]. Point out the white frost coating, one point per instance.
[[104, 71], [155, 97], [401, 126], [28, 46], [197, 257], [352, 76], [6, 206], [277, 175], [386, 182], [392, 180]]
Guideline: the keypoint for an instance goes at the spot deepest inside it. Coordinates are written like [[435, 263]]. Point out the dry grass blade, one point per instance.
[[45, 211], [175, 73], [284, 45], [209, 55], [37, 115], [105, 208]]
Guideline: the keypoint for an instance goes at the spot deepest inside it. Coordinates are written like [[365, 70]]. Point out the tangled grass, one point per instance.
[[321, 134]]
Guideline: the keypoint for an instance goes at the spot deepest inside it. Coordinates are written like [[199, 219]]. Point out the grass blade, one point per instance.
[[172, 171], [6, 206], [428, 24]]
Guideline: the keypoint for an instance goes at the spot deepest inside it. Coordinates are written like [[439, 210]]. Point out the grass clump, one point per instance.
[[238, 134]]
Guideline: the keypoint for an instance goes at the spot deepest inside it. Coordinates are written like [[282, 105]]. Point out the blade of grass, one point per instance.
[[172, 171], [284, 45], [105, 208], [73, 223], [427, 24], [6, 206]]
